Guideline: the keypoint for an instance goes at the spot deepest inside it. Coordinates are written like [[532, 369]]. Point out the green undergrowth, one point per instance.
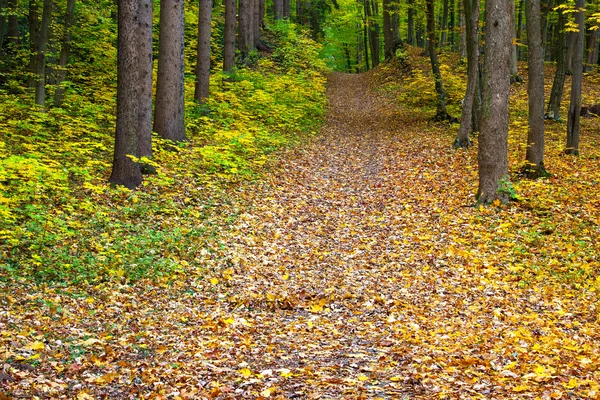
[[61, 222]]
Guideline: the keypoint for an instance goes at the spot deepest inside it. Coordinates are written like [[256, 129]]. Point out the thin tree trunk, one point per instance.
[[571, 38], [514, 69], [244, 26], [144, 85], [359, 50], [444, 27], [169, 109], [33, 19], [127, 172], [463, 32], [366, 43], [592, 51], [546, 6], [65, 53], [256, 23], [556, 93], [395, 20], [534, 156], [348, 60], [411, 23], [286, 9], [201, 92], [229, 36], [441, 113], [40, 45], [3, 4], [576, 81], [277, 9], [471, 8], [13, 23], [452, 25], [373, 31], [494, 182], [388, 40], [520, 28]]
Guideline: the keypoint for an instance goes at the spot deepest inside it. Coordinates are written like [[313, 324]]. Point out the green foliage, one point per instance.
[[59, 219]]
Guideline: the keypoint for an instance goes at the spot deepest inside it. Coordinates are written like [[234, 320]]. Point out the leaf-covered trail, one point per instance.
[[356, 271]]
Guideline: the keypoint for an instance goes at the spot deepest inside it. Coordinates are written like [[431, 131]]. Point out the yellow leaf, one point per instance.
[[315, 308], [90, 341], [34, 357], [362, 378], [89, 300], [214, 281], [573, 383], [395, 378], [521, 388], [245, 372], [286, 277], [229, 321], [286, 373], [84, 396], [266, 393], [35, 346]]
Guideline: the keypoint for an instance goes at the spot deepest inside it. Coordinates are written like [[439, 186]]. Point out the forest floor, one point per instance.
[[359, 269]]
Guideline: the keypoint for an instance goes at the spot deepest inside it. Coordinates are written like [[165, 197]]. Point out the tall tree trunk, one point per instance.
[[65, 53], [13, 23], [244, 25], [127, 172], [144, 85], [411, 23], [359, 50], [388, 41], [556, 92], [463, 32], [256, 24], [229, 36], [33, 19], [169, 108], [572, 39], [366, 43], [520, 28], [371, 13], [494, 181], [203, 53], [444, 36], [277, 9], [592, 51], [534, 157], [452, 25], [348, 60], [471, 8], [514, 69], [3, 4], [441, 113], [39, 44], [286, 9], [576, 81], [395, 20], [546, 6]]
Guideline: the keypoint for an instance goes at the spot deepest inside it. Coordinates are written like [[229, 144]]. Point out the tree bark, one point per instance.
[[452, 25], [520, 27], [39, 36], [3, 4], [494, 183], [441, 113], [471, 8], [534, 156], [65, 53], [286, 9], [229, 36], [388, 39], [127, 172], [576, 81], [256, 23], [201, 91], [514, 68], [245, 13], [13, 23], [277, 9], [144, 85], [411, 23], [169, 110], [463, 32], [556, 92], [444, 27], [592, 51], [370, 13]]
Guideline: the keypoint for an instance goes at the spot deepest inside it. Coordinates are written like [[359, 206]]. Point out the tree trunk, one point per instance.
[[348, 60], [471, 8], [547, 6], [388, 41], [3, 4], [441, 113], [245, 18], [366, 44], [514, 69], [127, 172], [556, 93], [201, 91], [33, 19], [444, 36], [395, 20], [452, 25], [65, 53], [13, 23], [256, 24], [534, 157], [520, 28], [411, 23], [592, 51], [571, 38], [169, 108], [144, 85], [39, 45], [286, 9], [463, 32], [277, 9], [371, 13], [229, 36], [576, 81], [494, 182]]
